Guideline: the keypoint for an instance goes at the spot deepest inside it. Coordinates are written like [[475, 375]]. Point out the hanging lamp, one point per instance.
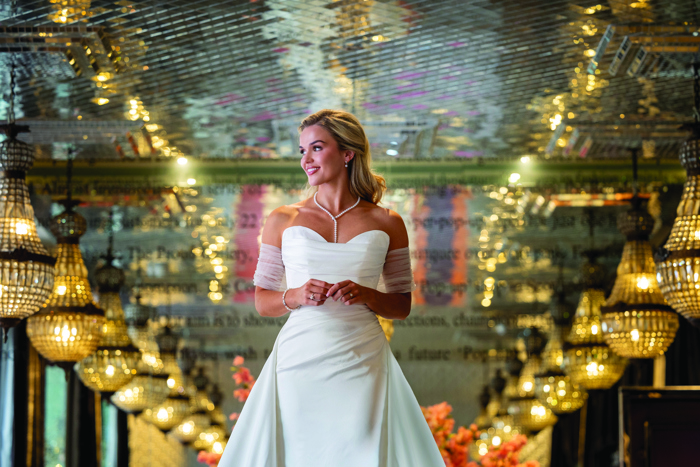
[[527, 411], [114, 362], [26, 268], [637, 322], [176, 406], [553, 387], [588, 360], [70, 326], [678, 262]]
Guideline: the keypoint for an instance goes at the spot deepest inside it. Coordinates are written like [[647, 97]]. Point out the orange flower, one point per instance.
[[238, 361], [234, 416]]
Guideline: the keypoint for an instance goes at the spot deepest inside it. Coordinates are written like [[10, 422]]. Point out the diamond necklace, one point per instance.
[[335, 218]]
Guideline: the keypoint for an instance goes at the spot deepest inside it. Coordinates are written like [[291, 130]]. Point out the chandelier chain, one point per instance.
[[696, 91], [11, 112]]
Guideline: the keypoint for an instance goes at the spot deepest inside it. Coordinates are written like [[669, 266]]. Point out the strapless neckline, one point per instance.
[[326, 241]]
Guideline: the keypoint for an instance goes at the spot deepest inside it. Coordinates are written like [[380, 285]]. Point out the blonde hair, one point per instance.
[[350, 136]]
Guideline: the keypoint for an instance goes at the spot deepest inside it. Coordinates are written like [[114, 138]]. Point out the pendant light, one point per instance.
[[678, 262], [527, 411], [588, 360], [26, 268], [637, 322], [176, 406], [114, 362], [553, 387], [70, 326]]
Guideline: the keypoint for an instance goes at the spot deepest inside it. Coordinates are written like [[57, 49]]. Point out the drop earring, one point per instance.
[[346, 164]]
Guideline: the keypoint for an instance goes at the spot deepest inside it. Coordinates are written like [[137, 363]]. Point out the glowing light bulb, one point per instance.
[[171, 383], [61, 290], [109, 370], [496, 441], [594, 329], [21, 228], [527, 386], [634, 335], [643, 283]]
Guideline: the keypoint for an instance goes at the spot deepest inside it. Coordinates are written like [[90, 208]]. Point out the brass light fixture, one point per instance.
[[588, 360], [527, 411], [114, 363], [552, 386], [26, 269], [177, 405], [678, 263], [637, 322], [192, 426], [146, 390], [70, 325]]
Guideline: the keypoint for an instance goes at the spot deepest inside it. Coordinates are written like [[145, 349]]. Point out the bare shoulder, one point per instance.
[[391, 223], [276, 222]]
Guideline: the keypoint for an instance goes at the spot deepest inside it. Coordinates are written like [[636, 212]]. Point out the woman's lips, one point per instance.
[[312, 170]]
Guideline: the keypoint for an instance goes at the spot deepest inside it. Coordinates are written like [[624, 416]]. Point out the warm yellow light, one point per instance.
[[182, 160], [634, 335], [191, 181], [100, 100], [110, 370], [61, 290], [525, 159], [496, 441], [171, 383], [21, 228], [643, 283], [514, 177], [594, 329], [527, 386]]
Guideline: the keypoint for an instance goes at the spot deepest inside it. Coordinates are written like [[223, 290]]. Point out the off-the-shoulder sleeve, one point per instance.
[[269, 274], [397, 276]]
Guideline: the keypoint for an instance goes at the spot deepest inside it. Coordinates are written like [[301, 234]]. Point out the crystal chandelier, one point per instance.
[[70, 325], [146, 390], [209, 437], [142, 331], [637, 322], [114, 363], [588, 360], [552, 386], [177, 405], [26, 269], [678, 263], [192, 426]]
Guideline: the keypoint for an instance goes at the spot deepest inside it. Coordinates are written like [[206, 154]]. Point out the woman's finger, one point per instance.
[[332, 290], [342, 291]]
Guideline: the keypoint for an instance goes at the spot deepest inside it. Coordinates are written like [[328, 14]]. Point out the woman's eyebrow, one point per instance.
[[317, 141]]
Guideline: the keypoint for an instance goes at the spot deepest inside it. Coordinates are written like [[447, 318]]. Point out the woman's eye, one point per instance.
[[317, 148]]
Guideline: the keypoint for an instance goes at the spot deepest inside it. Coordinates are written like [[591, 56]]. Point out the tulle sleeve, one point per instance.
[[269, 274], [397, 276]]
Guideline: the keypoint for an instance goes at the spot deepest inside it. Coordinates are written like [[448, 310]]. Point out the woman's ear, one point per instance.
[[349, 155]]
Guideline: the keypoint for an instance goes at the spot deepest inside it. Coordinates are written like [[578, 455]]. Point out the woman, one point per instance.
[[331, 394]]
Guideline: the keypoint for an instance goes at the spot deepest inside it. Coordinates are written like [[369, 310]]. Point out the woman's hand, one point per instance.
[[313, 293], [350, 293]]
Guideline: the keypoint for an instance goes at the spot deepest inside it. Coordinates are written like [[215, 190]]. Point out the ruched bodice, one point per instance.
[[307, 255], [331, 392]]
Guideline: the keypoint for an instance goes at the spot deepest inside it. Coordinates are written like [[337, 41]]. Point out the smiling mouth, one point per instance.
[[312, 170]]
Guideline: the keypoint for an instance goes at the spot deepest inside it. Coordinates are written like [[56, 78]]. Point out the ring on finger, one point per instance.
[[351, 295], [313, 296]]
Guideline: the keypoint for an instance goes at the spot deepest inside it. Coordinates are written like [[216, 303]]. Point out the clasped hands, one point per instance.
[[315, 293]]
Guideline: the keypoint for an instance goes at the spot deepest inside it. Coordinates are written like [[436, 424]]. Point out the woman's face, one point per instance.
[[321, 158]]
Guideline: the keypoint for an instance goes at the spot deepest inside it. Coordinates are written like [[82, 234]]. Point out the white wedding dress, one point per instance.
[[331, 393]]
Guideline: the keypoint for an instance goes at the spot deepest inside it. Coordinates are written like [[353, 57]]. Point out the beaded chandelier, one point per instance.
[[26, 269], [114, 363], [678, 263], [177, 405], [588, 360], [70, 325], [637, 322], [192, 426], [146, 390]]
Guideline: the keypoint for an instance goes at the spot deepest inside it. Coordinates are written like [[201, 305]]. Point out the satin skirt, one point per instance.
[[331, 394]]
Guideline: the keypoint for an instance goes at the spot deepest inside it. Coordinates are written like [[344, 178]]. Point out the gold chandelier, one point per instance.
[[678, 263], [209, 437], [26, 269], [588, 360], [142, 331], [70, 325], [552, 386], [177, 405], [146, 390], [637, 322], [192, 426], [114, 363]]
